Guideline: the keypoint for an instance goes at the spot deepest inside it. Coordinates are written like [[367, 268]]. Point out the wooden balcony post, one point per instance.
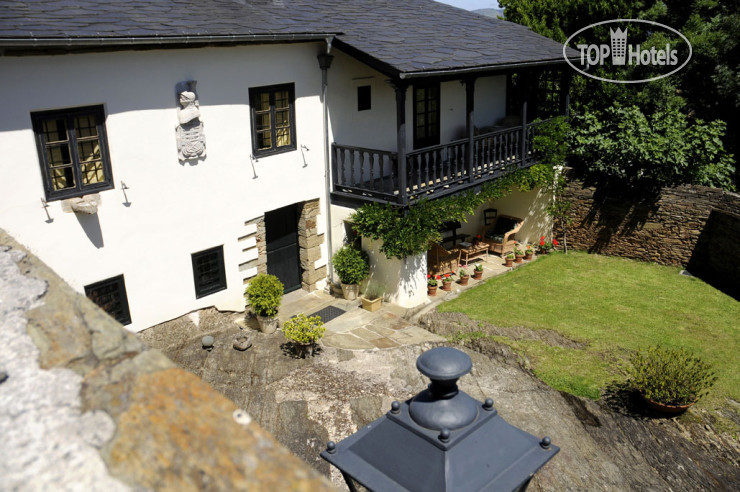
[[524, 135], [470, 126], [400, 88]]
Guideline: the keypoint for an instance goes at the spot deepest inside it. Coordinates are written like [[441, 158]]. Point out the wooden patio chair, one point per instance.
[[500, 235], [440, 260]]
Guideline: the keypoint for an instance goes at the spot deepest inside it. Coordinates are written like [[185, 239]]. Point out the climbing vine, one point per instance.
[[407, 232]]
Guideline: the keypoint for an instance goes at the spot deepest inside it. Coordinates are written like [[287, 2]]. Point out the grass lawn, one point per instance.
[[614, 306]]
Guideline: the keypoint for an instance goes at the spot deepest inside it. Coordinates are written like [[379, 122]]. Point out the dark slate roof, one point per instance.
[[423, 35], [400, 38], [93, 19]]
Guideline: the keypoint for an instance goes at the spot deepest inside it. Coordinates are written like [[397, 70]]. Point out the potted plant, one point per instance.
[[352, 266], [372, 298], [544, 246], [509, 258], [528, 252], [464, 276], [476, 240], [518, 254], [478, 271], [447, 281], [304, 332], [432, 284], [264, 294], [669, 380]]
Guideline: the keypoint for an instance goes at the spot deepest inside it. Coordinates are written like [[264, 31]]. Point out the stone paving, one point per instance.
[[390, 326]]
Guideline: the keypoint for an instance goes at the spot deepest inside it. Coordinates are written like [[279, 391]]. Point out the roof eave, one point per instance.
[[123, 41], [503, 67]]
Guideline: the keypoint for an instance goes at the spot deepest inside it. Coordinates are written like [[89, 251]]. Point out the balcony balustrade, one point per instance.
[[432, 172]]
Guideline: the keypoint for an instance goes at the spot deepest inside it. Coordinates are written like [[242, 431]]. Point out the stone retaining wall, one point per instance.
[[690, 226]]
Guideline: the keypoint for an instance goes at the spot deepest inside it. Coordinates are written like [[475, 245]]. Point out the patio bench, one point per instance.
[[500, 235]]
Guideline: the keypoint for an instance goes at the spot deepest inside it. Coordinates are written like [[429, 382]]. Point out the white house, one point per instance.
[[158, 154]]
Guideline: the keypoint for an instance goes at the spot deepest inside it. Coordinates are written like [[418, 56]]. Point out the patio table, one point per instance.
[[470, 251]]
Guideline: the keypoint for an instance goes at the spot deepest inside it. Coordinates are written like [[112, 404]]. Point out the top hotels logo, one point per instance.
[[618, 52]]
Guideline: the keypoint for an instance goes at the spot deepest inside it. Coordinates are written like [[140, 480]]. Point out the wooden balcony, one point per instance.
[[375, 175]]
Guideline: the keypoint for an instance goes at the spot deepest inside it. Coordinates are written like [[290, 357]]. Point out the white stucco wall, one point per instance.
[[490, 100], [175, 209], [376, 128], [403, 282]]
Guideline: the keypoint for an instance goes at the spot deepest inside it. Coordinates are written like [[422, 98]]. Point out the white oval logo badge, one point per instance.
[[618, 50]]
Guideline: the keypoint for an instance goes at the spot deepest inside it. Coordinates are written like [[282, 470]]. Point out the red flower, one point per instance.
[[554, 242], [478, 236], [542, 238], [429, 275], [542, 242], [439, 277]]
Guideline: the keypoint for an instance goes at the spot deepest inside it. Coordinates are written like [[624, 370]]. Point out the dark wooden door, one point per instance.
[[283, 254], [426, 115]]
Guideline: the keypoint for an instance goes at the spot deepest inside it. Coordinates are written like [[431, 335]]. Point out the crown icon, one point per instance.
[[619, 46]]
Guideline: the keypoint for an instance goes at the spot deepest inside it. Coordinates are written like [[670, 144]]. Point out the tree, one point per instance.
[[708, 88], [622, 144]]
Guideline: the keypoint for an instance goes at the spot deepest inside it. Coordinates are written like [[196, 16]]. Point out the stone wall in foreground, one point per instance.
[[86, 405], [690, 226]]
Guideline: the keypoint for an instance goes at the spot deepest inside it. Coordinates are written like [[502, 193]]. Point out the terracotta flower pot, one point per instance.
[[447, 285], [519, 258], [464, 280], [528, 256], [432, 290], [477, 275], [509, 262], [663, 408]]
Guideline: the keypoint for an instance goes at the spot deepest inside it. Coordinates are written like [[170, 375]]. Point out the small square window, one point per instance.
[[73, 151], [363, 98], [208, 271], [273, 119], [110, 295]]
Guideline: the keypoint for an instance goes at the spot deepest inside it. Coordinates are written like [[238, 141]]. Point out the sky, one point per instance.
[[472, 4]]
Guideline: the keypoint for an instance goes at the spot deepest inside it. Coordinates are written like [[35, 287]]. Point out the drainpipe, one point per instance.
[[325, 60]]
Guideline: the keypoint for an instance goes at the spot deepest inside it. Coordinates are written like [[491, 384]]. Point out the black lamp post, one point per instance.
[[440, 440]]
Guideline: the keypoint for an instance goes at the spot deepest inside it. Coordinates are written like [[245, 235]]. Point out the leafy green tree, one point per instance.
[[708, 88], [621, 144]]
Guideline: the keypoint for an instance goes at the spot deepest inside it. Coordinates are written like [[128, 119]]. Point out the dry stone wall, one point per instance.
[[690, 226]]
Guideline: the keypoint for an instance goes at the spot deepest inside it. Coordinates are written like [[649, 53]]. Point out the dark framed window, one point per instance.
[[426, 115], [273, 119], [364, 100], [73, 151], [110, 295], [208, 271], [543, 90]]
